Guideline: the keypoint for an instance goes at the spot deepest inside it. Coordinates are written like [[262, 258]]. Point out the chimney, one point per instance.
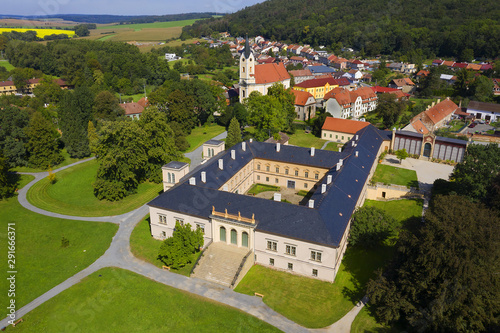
[[233, 154], [357, 136], [277, 197], [352, 143], [323, 188], [203, 176], [313, 150], [338, 166], [221, 164], [357, 153], [225, 188], [311, 203], [340, 149], [341, 162], [278, 146], [192, 181], [244, 146], [251, 140], [439, 101], [328, 179]]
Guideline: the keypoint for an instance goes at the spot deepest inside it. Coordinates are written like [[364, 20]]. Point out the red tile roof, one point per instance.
[[420, 127], [317, 83], [474, 67], [448, 63], [423, 73], [439, 111], [343, 81], [343, 125], [143, 102], [132, 108], [300, 72], [403, 82], [460, 65], [269, 73], [379, 89], [301, 97]]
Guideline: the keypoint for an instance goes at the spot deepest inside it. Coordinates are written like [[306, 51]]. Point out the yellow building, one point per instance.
[[317, 87]]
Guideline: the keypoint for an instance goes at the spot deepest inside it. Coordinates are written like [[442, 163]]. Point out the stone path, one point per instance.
[[119, 255]]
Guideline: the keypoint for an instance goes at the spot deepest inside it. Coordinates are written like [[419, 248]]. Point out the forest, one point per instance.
[[413, 28]]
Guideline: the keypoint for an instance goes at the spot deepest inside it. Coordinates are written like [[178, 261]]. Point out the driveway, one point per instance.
[[427, 172]]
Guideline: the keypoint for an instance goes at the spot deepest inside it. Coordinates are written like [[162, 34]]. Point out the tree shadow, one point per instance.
[[413, 183]]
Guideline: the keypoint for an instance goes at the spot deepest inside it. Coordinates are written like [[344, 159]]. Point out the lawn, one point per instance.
[[303, 139], [42, 262], [6, 64], [145, 247], [456, 125], [179, 42], [333, 146], [67, 161], [135, 97], [202, 134], [73, 194], [258, 188], [387, 174], [294, 296], [365, 323], [116, 300]]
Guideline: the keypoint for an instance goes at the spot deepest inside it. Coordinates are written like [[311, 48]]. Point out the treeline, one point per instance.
[[414, 28], [30, 36], [112, 66], [167, 18]]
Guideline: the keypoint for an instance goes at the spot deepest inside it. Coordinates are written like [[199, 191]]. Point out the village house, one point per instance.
[[343, 103], [341, 130], [405, 85], [305, 105], [301, 75], [489, 112], [435, 117], [132, 110], [317, 87]]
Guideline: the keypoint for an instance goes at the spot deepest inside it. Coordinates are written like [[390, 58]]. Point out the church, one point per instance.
[[255, 77], [307, 239]]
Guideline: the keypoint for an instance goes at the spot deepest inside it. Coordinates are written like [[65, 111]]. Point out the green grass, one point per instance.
[[258, 188], [117, 300], [303, 139], [67, 161], [24, 180], [456, 125], [333, 146], [387, 174], [73, 194], [138, 26], [200, 135], [294, 296], [6, 64], [365, 323], [145, 247], [135, 97], [41, 262]]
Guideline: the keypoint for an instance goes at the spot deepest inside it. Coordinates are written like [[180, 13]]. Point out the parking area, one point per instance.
[[478, 128]]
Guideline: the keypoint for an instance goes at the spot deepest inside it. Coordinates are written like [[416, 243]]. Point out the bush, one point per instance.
[[370, 227]]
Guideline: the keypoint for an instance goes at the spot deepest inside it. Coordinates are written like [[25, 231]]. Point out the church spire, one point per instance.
[[247, 48]]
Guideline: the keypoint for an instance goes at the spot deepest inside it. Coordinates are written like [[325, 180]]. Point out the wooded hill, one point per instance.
[[413, 27]]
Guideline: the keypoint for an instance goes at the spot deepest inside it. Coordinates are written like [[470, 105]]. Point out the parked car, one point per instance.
[[472, 125]]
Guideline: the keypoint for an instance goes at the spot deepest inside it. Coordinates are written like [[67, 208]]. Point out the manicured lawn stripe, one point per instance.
[[116, 300], [200, 135], [390, 175], [73, 194], [41, 262]]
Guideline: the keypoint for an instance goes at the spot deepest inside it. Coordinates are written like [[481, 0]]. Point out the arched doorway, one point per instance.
[[222, 234], [234, 237], [244, 239], [427, 149]]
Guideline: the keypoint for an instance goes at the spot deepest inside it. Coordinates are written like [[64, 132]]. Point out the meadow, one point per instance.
[[40, 32]]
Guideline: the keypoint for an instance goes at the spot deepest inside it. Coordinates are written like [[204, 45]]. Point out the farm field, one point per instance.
[[127, 34], [40, 32], [10, 22]]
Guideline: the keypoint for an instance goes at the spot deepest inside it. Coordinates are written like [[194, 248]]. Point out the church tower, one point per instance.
[[247, 72]]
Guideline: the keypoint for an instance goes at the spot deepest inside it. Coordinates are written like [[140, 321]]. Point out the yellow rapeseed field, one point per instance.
[[40, 32]]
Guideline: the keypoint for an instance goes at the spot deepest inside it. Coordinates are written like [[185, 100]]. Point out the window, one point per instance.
[[272, 245], [330, 136], [163, 234], [306, 174], [258, 166], [271, 261], [290, 266], [286, 171], [267, 167], [258, 177], [316, 256], [336, 136], [348, 138], [305, 185], [315, 272], [342, 137], [296, 172], [277, 170], [324, 135], [200, 226], [290, 249], [163, 219], [181, 221], [276, 180], [316, 176], [267, 179]]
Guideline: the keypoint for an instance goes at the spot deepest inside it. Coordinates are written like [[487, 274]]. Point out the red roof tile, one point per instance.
[[317, 83], [132, 108], [343, 125], [269, 73], [420, 127], [439, 111], [300, 72], [301, 97]]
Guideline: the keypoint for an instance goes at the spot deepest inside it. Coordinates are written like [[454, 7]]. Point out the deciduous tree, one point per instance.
[[370, 227], [42, 146], [176, 251]]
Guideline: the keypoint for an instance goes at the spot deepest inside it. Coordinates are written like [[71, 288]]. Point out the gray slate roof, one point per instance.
[[324, 224]]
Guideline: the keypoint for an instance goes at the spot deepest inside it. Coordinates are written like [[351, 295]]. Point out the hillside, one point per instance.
[[426, 27]]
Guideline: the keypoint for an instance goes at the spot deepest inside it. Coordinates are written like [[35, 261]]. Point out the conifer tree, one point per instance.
[[233, 133]]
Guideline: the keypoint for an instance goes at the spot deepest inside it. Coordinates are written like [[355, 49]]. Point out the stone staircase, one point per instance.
[[219, 263]]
